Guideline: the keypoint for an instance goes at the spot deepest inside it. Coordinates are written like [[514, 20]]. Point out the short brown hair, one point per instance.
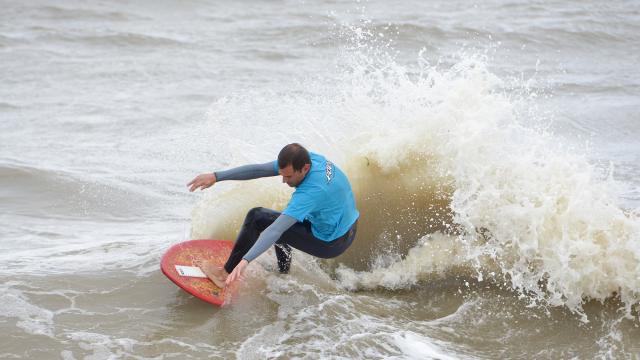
[[295, 155]]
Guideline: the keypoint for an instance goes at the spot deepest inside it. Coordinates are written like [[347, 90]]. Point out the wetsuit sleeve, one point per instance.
[[248, 172], [269, 236]]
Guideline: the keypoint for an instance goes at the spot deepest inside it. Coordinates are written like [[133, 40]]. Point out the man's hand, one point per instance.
[[237, 273], [202, 182]]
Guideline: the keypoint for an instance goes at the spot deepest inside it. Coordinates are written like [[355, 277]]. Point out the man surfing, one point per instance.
[[320, 219]]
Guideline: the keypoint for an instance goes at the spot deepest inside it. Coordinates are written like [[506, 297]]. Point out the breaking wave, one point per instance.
[[452, 168]]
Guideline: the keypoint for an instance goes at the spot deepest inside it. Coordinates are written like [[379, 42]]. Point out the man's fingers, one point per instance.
[[201, 182], [229, 279], [232, 277], [195, 185]]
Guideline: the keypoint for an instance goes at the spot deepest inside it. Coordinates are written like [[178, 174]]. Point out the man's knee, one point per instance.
[[253, 213], [261, 217]]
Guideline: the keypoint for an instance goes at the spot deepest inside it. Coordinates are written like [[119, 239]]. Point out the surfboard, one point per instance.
[[179, 264]]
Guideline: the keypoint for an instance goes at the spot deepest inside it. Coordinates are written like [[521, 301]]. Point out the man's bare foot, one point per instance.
[[216, 273]]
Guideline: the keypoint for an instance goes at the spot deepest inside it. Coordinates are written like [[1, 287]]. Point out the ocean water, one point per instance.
[[493, 148]]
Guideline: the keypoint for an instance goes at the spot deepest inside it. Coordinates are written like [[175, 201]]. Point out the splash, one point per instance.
[[451, 170]]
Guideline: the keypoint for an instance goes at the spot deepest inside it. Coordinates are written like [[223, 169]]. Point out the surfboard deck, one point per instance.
[[188, 253]]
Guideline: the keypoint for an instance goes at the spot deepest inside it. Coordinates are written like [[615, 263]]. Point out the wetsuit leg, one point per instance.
[[255, 222]]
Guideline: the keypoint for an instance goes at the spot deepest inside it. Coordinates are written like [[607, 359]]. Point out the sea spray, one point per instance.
[[449, 172]]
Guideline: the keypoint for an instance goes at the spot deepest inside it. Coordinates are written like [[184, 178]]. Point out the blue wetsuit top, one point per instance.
[[324, 198]]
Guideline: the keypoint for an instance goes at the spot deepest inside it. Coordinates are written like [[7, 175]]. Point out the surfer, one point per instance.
[[320, 219]]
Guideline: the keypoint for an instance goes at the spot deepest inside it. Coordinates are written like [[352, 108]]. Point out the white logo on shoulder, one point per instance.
[[329, 171]]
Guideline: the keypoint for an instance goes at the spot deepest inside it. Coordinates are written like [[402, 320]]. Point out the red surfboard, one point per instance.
[[187, 254]]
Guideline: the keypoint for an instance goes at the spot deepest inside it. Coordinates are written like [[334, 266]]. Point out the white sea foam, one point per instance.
[[435, 255], [318, 323], [94, 247], [30, 318], [103, 346], [415, 346]]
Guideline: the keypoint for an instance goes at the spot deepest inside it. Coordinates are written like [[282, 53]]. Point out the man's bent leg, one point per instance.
[[255, 222], [300, 237]]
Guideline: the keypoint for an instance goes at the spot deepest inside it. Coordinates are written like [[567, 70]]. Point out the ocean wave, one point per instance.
[[115, 39], [76, 13], [8, 106], [35, 191]]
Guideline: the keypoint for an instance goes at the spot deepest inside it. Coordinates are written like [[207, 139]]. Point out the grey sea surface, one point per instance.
[[493, 147]]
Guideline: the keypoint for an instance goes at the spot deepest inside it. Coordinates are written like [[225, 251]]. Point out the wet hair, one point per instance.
[[295, 155]]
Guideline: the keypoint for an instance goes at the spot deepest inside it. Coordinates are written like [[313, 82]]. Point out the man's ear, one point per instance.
[[306, 168]]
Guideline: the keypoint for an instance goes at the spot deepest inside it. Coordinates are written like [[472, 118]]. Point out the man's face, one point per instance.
[[294, 178]]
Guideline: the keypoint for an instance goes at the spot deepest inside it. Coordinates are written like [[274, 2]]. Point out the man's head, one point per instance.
[[294, 164]]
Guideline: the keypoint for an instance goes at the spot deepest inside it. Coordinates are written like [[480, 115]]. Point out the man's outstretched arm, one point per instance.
[[245, 172]]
